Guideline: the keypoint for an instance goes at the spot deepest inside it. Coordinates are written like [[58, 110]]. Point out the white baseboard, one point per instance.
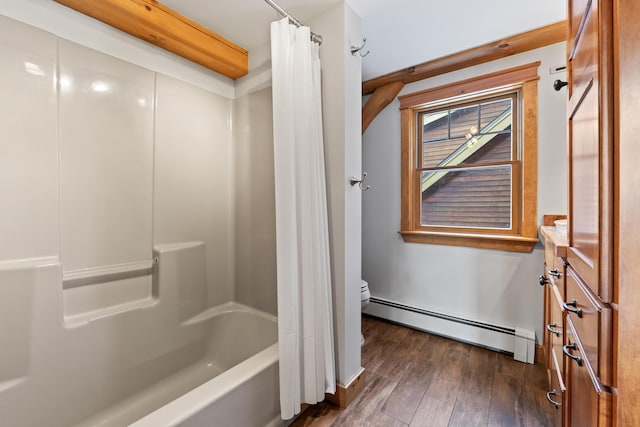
[[483, 334]]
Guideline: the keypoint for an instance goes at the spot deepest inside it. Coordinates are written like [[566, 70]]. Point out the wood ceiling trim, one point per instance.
[[382, 88], [157, 24], [519, 43]]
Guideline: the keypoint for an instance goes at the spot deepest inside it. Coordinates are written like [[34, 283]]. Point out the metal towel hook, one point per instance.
[[358, 50], [360, 182]]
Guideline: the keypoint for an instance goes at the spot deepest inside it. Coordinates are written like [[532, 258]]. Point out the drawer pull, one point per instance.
[[572, 346], [553, 402], [571, 306], [550, 327], [542, 280], [555, 273]]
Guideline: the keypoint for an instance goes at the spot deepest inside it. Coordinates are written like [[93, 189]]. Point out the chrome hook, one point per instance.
[[358, 50], [360, 182]]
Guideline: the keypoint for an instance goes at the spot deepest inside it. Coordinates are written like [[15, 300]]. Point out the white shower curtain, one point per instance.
[[305, 319]]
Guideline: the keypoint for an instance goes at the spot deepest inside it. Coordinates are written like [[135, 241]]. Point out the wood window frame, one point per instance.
[[525, 231]]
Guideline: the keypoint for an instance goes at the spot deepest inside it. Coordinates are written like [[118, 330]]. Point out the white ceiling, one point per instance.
[[245, 22], [400, 33]]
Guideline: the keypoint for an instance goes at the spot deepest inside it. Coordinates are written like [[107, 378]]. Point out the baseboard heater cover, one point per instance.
[[495, 337]]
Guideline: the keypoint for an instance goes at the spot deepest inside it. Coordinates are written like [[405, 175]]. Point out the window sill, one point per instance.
[[486, 241]]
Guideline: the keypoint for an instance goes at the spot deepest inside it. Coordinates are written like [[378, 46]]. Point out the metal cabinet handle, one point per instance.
[[553, 402], [542, 280], [555, 273], [571, 306], [550, 327], [559, 84], [571, 346]]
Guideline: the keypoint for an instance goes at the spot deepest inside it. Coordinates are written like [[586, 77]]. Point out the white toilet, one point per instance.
[[364, 300]]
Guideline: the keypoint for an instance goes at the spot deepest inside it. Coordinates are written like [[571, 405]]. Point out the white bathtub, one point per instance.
[[246, 392], [234, 383], [162, 361]]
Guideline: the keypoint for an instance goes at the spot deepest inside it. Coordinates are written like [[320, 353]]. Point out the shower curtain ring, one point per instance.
[[358, 50], [360, 182]]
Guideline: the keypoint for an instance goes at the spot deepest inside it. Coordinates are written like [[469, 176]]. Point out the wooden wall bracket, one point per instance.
[[380, 98]]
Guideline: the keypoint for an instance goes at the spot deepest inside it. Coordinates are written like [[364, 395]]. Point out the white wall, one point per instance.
[[439, 28], [341, 80], [491, 286]]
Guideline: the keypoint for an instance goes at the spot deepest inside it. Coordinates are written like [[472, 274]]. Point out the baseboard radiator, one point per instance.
[[515, 341]]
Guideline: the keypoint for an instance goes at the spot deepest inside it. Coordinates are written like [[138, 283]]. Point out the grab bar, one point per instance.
[[109, 273]]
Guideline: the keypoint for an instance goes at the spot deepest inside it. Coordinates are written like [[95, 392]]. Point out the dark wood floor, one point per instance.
[[418, 379]]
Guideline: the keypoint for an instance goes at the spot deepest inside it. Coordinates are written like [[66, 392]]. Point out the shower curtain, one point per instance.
[[305, 319]]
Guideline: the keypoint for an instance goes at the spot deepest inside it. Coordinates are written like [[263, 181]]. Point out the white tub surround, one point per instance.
[[76, 27], [193, 195], [117, 237], [105, 131], [255, 222], [28, 142]]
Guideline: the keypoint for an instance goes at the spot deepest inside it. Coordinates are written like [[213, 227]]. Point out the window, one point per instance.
[[469, 162]]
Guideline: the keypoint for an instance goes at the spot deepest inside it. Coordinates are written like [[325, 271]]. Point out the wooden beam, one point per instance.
[[164, 27], [519, 43], [380, 98]]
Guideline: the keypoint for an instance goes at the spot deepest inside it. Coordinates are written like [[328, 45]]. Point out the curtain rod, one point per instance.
[[314, 37]]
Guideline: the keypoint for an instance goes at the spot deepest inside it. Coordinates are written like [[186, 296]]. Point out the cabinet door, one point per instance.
[[589, 151]]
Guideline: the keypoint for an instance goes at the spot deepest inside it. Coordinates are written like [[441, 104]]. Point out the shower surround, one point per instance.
[[120, 187]]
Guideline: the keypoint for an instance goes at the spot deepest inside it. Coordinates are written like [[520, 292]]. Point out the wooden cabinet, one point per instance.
[[600, 309], [587, 351], [577, 340]]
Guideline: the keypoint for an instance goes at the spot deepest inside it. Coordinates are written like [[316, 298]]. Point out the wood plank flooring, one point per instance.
[[417, 379]]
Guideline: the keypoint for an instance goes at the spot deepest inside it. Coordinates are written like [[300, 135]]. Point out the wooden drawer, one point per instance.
[[589, 403], [592, 322], [556, 274], [549, 254], [555, 244], [555, 327], [547, 320], [556, 396]]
